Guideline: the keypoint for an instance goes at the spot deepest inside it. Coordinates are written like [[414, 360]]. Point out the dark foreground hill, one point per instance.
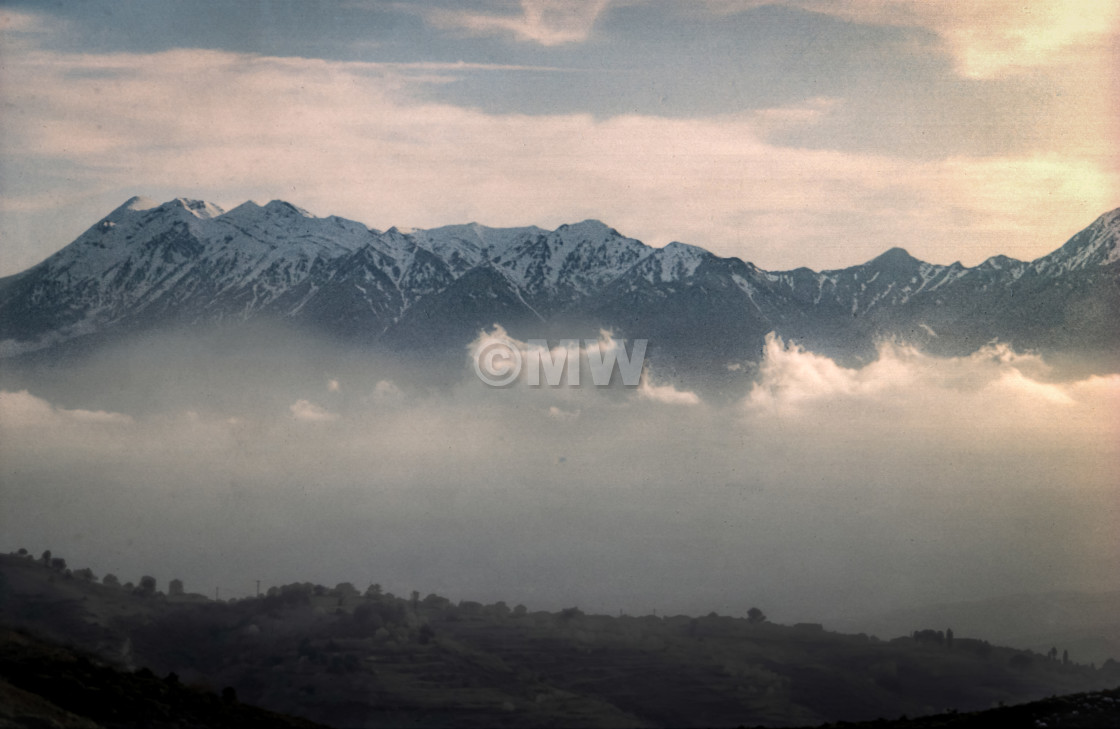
[[43, 684], [1090, 710], [369, 659]]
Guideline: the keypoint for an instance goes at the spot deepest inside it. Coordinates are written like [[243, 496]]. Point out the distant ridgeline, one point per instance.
[[187, 263], [346, 657]]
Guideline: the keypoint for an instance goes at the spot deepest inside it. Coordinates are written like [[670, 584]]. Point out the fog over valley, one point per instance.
[[814, 491]]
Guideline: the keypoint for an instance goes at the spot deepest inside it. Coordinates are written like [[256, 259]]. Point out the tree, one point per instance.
[[435, 602], [46, 558], [111, 580], [949, 638], [147, 586], [754, 615], [175, 588], [1065, 657], [929, 636], [85, 573]]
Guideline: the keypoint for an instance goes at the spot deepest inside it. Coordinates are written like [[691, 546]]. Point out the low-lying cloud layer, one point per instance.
[[823, 491]]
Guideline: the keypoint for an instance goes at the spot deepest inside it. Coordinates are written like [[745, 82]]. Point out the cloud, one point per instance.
[[993, 388], [985, 40], [562, 414], [310, 412], [13, 21], [995, 38], [667, 394], [386, 390], [547, 22], [353, 139], [24, 410]]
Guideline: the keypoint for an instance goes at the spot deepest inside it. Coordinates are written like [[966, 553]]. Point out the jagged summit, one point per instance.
[[894, 257], [678, 248], [186, 261], [280, 207], [999, 262], [138, 202], [1093, 246], [589, 226]]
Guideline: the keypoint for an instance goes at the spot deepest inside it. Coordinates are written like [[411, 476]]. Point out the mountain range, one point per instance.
[[187, 263]]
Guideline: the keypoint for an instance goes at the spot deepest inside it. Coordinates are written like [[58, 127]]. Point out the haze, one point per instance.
[[816, 493]]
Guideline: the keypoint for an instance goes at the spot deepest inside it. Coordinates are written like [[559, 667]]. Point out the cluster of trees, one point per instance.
[[147, 586], [58, 564], [376, 605], [936, 637], [983, 648], [1052, 654]]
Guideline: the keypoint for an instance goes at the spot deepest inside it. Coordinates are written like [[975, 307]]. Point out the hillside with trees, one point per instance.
[[349, 657]]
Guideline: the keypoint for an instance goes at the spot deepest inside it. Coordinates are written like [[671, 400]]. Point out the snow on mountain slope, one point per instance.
[[675, 261], [571, 261], [188, 261], [465, 246], [1095, 246]]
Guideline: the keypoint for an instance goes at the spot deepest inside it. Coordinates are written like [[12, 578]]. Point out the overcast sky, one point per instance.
[[786, 133]]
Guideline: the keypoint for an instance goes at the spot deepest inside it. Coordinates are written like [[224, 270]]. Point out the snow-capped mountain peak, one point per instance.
[[286, 209], [673, 262], [1095, 246], [188, 261], [200, 208], [136, 204]]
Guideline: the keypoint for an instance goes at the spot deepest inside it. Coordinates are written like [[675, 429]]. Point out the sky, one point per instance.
[[787, 133]]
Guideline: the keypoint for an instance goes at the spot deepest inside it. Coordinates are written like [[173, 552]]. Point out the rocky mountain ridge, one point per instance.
[[189, 262]]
